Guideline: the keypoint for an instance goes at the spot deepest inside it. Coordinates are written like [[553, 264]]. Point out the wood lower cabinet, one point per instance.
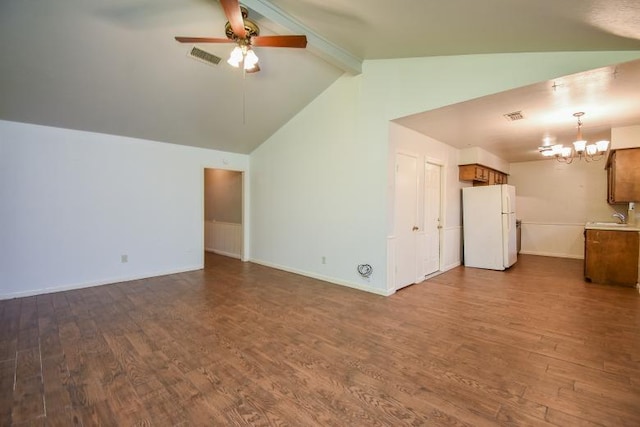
[[611, 257], [623, 176], [481, 175]]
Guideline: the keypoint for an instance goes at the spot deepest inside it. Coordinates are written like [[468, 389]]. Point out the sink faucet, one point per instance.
[[621, 217]]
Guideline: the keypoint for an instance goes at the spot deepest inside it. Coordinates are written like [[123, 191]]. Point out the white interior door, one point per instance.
[[432, 219], [406, 215]]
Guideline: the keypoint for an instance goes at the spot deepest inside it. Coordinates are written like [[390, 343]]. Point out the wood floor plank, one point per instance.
[[28, 313], [28, 400], [28, 363], [7, 380], [56, 376], [620, 413], [8, 349], [559, 418], [28, 338]]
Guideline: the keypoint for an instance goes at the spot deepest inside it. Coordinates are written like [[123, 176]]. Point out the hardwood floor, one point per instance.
[[242, 344]]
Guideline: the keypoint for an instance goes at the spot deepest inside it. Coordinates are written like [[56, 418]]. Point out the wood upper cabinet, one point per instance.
[[611, 257], [473, 173], [623, 176], [481, 175], [497, 178]]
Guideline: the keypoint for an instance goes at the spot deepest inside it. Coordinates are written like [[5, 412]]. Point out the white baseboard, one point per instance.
[[110, 281], [229, 254], [451, 266], [555, 255], [327, 279]]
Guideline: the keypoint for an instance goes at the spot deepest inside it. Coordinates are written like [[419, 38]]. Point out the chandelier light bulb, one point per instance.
[[580, 146], [592, 149], [602, 145]]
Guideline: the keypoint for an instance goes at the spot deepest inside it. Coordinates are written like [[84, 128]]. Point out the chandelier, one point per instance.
[[580, 149]]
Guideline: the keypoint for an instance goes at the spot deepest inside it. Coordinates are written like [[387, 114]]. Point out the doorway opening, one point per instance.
[[223, 212]]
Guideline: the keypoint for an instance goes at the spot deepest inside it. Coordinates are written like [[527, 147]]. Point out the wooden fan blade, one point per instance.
[[203, 40], [234, 15], [279, 41]]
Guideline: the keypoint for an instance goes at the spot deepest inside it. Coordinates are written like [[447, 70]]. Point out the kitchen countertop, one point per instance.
[[612, 226]]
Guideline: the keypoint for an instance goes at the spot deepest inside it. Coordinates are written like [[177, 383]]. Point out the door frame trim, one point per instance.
[[442, 166]]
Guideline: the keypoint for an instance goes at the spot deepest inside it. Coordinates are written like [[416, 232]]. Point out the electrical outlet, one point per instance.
[[124, 258], [324, 259]]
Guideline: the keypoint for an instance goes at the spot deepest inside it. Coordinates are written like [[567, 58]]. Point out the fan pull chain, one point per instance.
[[244, 89]]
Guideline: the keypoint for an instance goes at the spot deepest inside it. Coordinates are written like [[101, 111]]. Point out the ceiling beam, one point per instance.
[[318, 45]]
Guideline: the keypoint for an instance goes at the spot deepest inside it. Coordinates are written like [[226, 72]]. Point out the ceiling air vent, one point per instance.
[[512, 117], [203, 56]]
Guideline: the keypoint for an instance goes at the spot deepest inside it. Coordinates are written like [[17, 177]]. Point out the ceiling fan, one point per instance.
[[246, 34]]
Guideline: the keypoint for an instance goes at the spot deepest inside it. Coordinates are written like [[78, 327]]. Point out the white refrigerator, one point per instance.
[[489, 226]]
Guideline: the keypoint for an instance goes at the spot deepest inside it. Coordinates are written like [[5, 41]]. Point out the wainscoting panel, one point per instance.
[[549, 239], [223, 238]]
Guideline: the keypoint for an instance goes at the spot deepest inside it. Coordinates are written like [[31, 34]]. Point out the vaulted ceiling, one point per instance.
[[114, 67]]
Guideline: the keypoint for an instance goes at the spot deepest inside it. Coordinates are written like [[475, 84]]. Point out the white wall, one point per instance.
[[73, 202], [625, 137], [482, 157], [555, 200], [320, 185], [223, 196]]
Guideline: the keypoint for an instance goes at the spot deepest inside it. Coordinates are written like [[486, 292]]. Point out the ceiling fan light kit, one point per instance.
[[243, 54], [245, 33], [580, 148]]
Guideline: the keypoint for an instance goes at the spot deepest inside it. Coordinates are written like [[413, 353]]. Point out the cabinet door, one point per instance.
[[492, 177], [623, 176], [474, 173], [611, 257], [481, 174], [467, 172]]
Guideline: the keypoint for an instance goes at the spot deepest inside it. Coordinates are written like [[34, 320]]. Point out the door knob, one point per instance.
[[415, 228]]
